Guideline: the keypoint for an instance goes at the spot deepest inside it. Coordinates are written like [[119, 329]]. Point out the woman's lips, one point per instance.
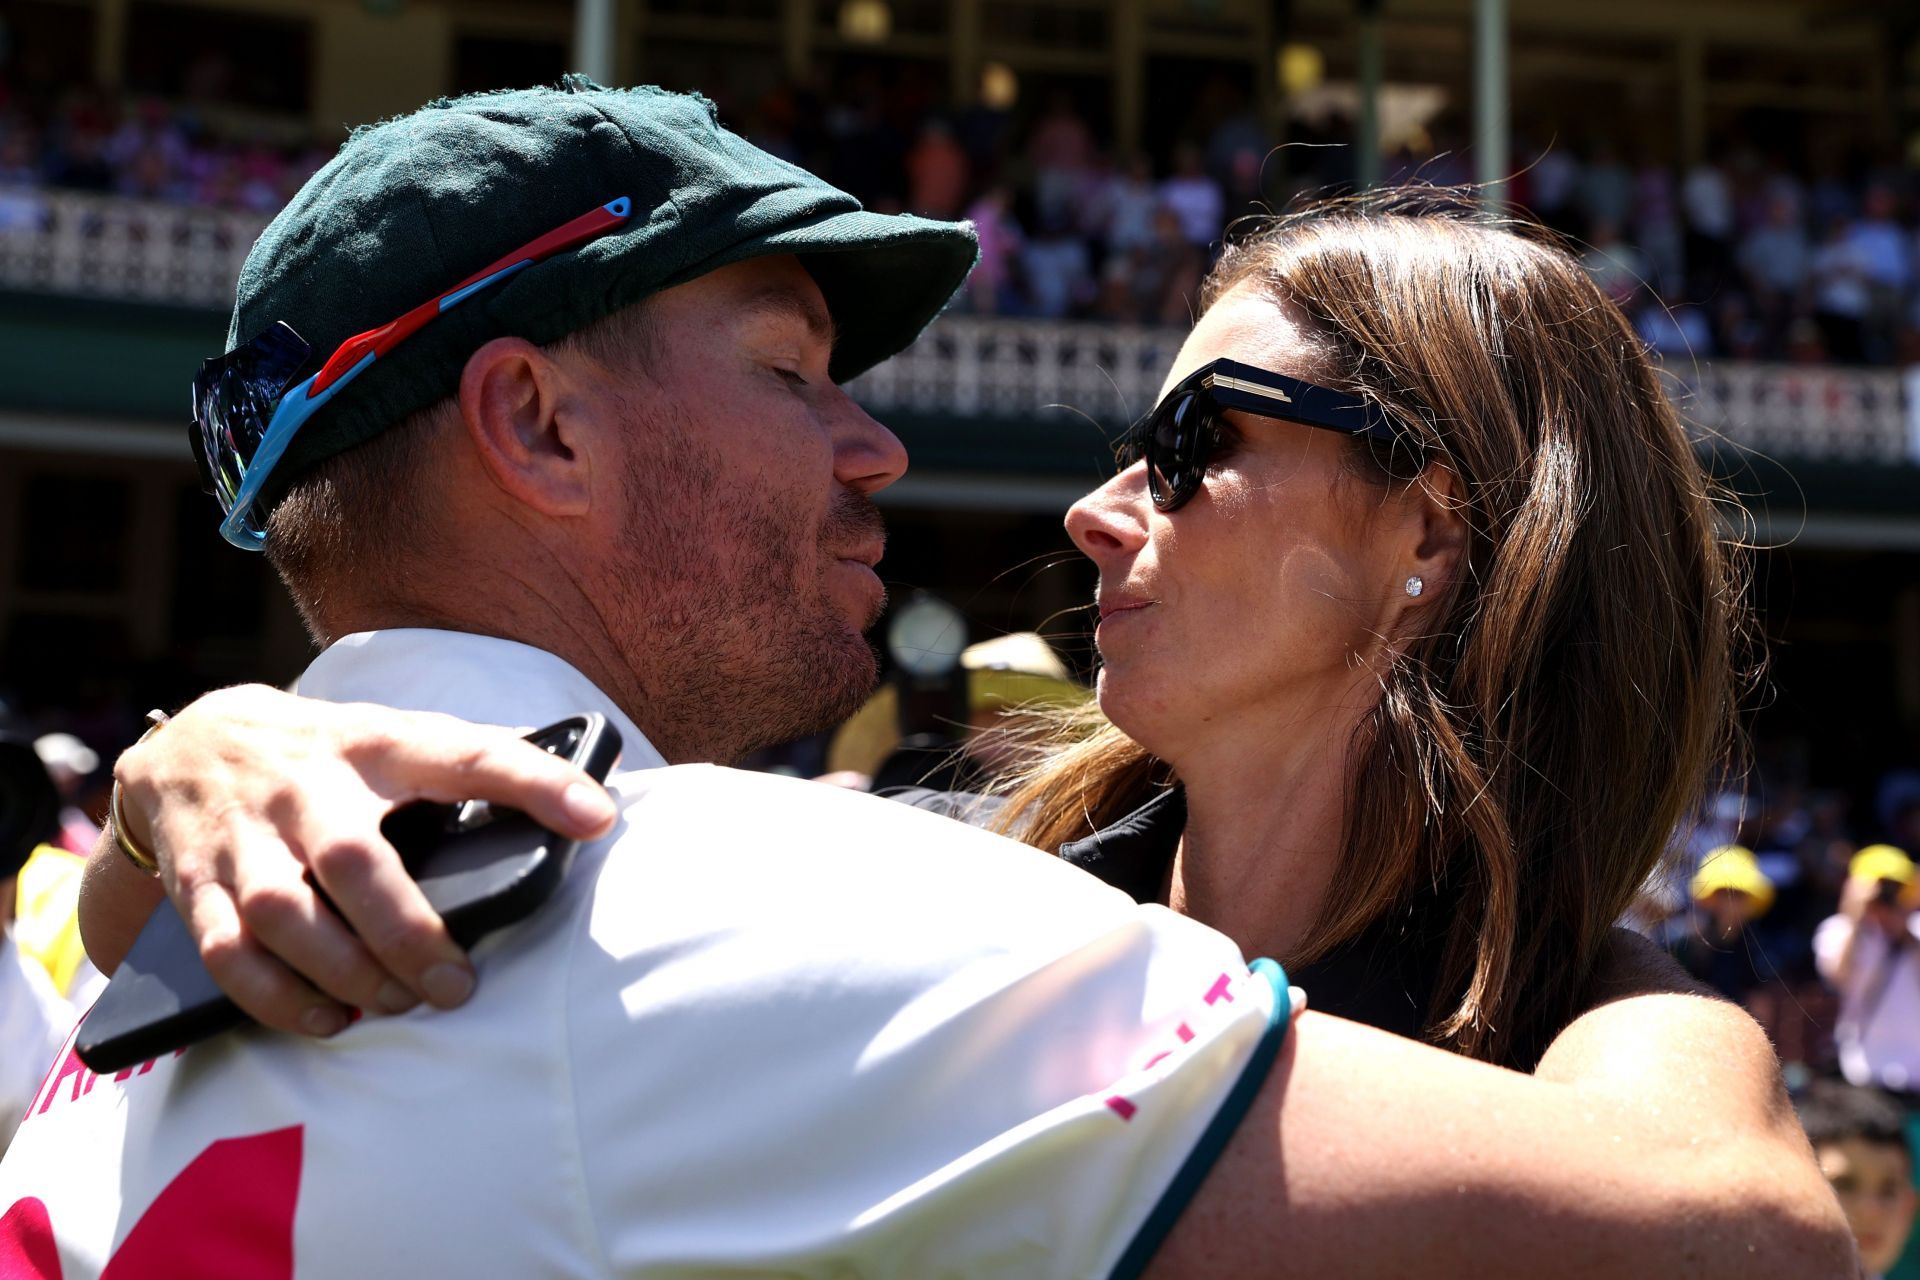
[[1112, 608]]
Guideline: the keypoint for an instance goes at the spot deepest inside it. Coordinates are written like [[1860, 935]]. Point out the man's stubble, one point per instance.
[[733, 643]]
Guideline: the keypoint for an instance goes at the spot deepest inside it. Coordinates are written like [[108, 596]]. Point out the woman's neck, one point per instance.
[[1266, 812]]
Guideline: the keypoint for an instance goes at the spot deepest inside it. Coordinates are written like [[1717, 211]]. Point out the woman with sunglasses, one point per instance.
[[1418, 637]]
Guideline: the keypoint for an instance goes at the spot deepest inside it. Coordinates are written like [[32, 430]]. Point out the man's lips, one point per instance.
[[866, 555]]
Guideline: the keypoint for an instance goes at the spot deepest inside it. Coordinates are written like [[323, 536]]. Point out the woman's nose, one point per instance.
[[1111, 521]]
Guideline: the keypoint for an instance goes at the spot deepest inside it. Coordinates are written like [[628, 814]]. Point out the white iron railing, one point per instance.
[[108, 247], [965, 366]]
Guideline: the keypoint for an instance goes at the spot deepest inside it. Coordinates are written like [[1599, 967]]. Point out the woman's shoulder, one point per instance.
[[1633, 965]]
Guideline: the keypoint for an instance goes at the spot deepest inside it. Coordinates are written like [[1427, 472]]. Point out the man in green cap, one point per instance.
[[555, 425], [533, 399]]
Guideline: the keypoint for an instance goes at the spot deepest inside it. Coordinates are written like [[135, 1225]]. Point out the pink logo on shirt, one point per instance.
[[229, 1213], [1222, 989]]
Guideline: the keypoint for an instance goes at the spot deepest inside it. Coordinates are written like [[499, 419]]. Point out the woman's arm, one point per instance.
[[1654, 1139], [251, 797], [1392, 1158]]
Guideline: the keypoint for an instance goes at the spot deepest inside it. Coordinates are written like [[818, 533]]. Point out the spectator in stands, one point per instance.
[[1606, 189], [149, 150], [1127, 205], [1169, 272], [1237, 152], [1729, 893], [1739, 331], [1774, 260], [1706, 199], [936, 172], [70, 762], [1656, 226], [1841, 292], [1194, 197], [1058, 270], [1672, 327], [990, 287], [1882, 246], [1616, 266], [1060, 153], [1860, 1140], [1554, 177], [1870, 954]]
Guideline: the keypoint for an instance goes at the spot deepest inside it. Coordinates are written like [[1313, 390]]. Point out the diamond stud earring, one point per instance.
[[1415, 586]]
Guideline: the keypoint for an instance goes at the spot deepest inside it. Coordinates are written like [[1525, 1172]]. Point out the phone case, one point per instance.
[[480, 868]]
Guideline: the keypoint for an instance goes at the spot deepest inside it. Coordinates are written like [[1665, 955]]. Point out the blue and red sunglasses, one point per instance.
[[245, 416]]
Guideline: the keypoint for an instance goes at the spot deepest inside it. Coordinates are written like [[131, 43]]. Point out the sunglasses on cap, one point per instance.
[[1182, 434], [247, 407]]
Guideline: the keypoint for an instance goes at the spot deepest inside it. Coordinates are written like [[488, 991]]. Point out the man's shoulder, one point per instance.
[[705, 853], [733, 805]]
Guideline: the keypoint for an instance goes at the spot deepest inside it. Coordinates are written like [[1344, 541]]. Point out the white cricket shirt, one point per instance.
[[34, 1021], [767, 1027]]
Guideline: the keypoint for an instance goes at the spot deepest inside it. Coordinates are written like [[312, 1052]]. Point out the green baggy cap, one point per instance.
[[411, 207]]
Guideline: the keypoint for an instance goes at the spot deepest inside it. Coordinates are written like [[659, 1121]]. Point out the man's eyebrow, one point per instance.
[[788, 305]]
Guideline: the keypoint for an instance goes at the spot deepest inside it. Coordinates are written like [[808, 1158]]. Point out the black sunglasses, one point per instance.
[[1182, 433]]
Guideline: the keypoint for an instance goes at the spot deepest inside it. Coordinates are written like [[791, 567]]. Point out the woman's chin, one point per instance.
[[1132, 704]]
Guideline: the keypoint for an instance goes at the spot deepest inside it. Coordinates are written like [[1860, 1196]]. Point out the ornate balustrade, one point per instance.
[[965, 366], [104, 247], [972, 366]]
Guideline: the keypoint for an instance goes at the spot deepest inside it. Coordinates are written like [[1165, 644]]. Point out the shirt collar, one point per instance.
[[1136, 852], [480, 678]]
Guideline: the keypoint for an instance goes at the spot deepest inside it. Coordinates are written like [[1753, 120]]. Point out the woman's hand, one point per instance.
[[250, 797]]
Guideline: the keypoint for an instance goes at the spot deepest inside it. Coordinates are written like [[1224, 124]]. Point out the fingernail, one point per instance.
[[394, 998], [323, 1021], [588, 806], [447, 984]]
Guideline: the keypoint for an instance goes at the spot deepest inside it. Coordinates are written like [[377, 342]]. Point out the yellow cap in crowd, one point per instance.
[[1733, 867], [1882, 862]]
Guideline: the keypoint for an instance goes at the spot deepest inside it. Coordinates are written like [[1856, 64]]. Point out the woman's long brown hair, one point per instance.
[[1538, 745]]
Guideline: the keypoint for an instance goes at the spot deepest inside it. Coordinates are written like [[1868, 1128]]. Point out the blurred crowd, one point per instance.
[[1750, 254], [1747, 255], [1809, 915], [147, 150], [1775, 901]]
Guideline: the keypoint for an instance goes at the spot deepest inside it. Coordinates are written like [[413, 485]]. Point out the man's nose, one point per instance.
[[867, 457]]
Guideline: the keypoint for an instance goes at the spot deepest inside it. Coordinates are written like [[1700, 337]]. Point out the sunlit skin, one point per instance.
[[1874, 1184], [753, 342], [1241, 636], [705, 505]]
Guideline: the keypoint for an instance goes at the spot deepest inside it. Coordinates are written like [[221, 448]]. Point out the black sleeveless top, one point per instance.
[[1384, 976]]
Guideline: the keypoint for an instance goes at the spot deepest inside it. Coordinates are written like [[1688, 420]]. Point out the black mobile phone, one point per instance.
[[481, 868]]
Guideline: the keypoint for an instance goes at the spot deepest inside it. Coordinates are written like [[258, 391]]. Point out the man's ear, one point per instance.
[[521, 411]]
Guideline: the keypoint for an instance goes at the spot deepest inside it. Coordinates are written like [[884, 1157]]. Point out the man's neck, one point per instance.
[[1266, 812], [551, 614]]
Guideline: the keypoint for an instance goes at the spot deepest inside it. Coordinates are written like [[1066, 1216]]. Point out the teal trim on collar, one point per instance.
[[1200, 1161]]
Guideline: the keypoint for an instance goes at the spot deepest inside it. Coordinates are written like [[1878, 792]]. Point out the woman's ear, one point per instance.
[[1439, 557]]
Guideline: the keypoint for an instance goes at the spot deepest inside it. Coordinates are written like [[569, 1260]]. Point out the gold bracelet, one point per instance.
[[141, 858]]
